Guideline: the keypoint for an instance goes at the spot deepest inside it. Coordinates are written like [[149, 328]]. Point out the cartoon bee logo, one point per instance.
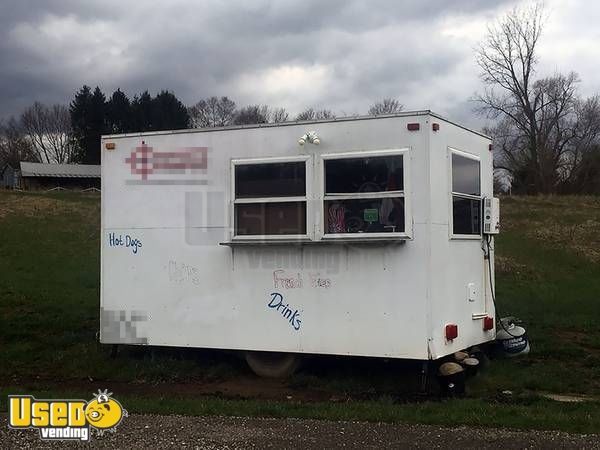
[[103, 412]]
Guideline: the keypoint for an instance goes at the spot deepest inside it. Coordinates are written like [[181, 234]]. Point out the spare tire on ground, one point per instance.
[[273, 364]]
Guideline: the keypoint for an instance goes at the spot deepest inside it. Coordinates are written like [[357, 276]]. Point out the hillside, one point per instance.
[[548, 274]]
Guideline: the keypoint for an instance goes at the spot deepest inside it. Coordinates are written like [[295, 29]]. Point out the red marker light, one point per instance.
[[451, 331], [488, 323], [413, 126]]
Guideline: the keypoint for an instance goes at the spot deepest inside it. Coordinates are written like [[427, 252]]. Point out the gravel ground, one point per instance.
[[152, 431]]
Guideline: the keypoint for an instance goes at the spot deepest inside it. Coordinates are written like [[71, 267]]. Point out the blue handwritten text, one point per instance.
[[126, 241], [287, 312]]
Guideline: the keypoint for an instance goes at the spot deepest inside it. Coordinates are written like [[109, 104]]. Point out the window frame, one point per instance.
[[284, 199], [454, 151], [321, 234]]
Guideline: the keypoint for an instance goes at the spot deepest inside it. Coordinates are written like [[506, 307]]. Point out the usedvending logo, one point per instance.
[[66, 419]]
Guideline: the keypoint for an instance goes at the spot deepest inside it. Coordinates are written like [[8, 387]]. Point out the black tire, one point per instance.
[[273, 364]]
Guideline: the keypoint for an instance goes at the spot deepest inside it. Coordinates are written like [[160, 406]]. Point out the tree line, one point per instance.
[[546, 134], [71, 134]]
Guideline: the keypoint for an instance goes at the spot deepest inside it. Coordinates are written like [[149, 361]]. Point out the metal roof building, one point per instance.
[[9, 177], [51, 176], [29, 169]]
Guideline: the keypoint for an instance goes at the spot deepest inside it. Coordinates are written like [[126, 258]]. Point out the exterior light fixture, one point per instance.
[[310, 137]]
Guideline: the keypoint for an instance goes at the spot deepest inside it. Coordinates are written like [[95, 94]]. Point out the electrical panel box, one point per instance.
[[491, 215]]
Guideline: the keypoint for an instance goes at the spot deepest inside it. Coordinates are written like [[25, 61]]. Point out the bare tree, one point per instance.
[[14, 146], [315, 114], [279, 115], [385, 106], [212, 112], [252, 114], [580, 149], [541, 123], [585, 178], [49, 131], [499, 184]]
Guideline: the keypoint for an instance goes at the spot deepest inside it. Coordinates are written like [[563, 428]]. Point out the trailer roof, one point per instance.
[[425, 112]]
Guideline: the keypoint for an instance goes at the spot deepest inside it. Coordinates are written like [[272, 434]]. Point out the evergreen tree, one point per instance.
[[119, 113], [97, 125], [168, 113], [88, 119], [79, 111], [141, 108]]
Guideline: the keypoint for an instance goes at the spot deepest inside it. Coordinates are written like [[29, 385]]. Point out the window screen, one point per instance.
[[466, 215], [270, 199], [466, 195], [465, 175], [271, 218], [353, 175], [377, 215], [364, 195], [270, 180]]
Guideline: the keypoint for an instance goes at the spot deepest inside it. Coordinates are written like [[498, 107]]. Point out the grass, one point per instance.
[[548, 274], [49, 295]]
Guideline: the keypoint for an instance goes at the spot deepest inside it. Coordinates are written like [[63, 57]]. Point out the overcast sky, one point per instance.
[[338, 54]]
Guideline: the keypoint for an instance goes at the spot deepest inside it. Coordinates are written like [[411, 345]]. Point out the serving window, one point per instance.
[[270, 197], [465, 194], [364, 194]]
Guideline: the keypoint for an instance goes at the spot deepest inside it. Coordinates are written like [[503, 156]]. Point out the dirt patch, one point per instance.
[[571, 223], [567, 398], [581, 237], [242, 387], [581, 339], [508, 265]]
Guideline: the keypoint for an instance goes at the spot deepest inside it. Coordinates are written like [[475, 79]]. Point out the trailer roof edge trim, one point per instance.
[[425, 112]]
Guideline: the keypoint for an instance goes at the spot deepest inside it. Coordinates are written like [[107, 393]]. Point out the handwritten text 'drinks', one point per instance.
[[287, 312]]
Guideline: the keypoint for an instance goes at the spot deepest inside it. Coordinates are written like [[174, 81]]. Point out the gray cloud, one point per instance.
[[340, 54]]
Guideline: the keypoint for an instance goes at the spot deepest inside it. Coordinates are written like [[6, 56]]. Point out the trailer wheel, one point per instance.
[[272, 364]]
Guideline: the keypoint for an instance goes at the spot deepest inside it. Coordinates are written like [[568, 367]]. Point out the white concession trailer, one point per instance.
[[357, 236]]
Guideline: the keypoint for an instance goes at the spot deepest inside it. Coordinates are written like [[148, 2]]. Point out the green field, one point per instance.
[[548, 274]]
